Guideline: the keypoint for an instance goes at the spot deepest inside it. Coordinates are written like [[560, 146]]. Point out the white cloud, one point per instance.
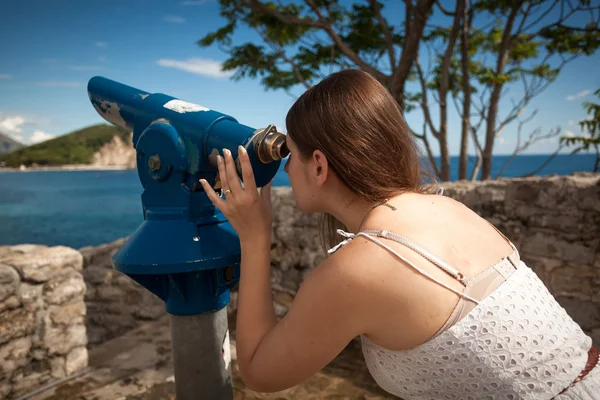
[[578, 95], [5, 76], [60, 84], [199, 66], [569, 133], [101, 44], [84, 67], [40, 136], [174, 19], [194, 2], [12, 125]]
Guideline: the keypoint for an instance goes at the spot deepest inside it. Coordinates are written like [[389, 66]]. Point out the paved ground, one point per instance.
[[138, 366]]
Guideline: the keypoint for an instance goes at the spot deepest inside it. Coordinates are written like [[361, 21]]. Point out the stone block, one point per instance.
[[30, 293], [41, 264], [110, 293], [581, 282], [5, 388], [16, 323], [57, 367], [9, 304], [67, 314], [77, 360], [14, 354], [9, 281], [60, 340], [551, 246], [64, 290], [585, 313], [95, 274], [25, 383]]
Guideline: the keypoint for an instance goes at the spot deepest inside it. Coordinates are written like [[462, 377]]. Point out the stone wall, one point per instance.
[[554, 222], [115, 303], [42, 311]]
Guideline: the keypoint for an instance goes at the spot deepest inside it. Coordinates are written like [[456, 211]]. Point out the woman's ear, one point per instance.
[[320, 167]]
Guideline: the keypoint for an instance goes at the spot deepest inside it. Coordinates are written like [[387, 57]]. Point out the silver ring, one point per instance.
[[227, 192]]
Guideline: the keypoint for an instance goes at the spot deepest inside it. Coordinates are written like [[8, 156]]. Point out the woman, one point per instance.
[[443, 304]]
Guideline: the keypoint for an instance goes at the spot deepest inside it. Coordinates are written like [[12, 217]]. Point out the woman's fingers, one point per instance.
[[265, 194], [233, 179], [247, 172], [222, 174], [215, 198]]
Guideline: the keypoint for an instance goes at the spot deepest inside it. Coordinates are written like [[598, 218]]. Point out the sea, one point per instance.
[[89, 208]]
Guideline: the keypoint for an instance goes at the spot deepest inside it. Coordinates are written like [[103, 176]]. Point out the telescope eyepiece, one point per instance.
[[270, 145]]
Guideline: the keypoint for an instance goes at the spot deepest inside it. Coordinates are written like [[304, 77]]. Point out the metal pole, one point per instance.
[[202, 356]]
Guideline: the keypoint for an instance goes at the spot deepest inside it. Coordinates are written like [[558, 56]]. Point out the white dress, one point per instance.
[[517, 343]]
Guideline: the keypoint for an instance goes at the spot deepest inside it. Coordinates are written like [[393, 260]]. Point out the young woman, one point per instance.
[[443, 304]]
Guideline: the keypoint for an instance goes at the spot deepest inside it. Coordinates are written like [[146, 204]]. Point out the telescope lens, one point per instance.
[[283, 150]]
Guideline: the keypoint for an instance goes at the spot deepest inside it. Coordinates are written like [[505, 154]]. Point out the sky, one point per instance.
[[50, 49]]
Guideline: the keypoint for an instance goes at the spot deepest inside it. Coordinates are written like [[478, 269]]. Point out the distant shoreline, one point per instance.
[[75, 167]]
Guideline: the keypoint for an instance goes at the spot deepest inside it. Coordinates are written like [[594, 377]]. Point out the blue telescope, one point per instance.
[[185, 251]]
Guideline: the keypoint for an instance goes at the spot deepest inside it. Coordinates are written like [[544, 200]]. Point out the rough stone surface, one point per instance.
[[77, 360], [115, 152], [43, 263], [554, 222], [42, 328]]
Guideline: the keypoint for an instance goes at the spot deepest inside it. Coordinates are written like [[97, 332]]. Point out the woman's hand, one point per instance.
[[248, 211]]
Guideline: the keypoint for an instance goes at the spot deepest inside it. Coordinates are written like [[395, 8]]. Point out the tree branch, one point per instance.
[[281, 53], [259, 7], [412, 39], [386, 32], [446, 12], [430, 155], [424, 103], [347, 51]]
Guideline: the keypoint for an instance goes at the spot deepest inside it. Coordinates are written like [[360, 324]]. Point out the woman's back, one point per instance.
[[506, 336], [441, 226]]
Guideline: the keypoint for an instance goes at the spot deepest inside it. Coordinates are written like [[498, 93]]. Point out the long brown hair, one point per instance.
[[357, 124]]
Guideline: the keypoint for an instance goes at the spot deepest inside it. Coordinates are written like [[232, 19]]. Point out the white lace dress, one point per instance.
[[517, 343]]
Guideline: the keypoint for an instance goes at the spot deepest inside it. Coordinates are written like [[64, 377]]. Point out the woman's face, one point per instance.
[[297, 171]]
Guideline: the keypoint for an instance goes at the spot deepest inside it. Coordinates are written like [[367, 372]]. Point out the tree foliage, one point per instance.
[[426, 56], [591, 128]]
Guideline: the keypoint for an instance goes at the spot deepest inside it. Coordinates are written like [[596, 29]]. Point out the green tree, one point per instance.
[[474, 54], [591, 128]]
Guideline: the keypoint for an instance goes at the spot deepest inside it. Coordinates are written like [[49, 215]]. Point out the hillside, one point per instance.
[[79, 147], [7, 144]]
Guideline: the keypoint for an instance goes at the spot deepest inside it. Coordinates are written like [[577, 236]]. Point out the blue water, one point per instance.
[[81, 208]]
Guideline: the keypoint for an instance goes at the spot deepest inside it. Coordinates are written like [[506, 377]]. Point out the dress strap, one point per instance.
[[351, 236], [447, 268]]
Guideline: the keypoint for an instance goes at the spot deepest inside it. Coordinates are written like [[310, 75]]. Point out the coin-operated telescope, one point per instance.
[[185, 251]]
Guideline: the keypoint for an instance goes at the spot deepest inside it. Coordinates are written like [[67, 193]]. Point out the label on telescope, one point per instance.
[[181, 106], [226, 350]]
